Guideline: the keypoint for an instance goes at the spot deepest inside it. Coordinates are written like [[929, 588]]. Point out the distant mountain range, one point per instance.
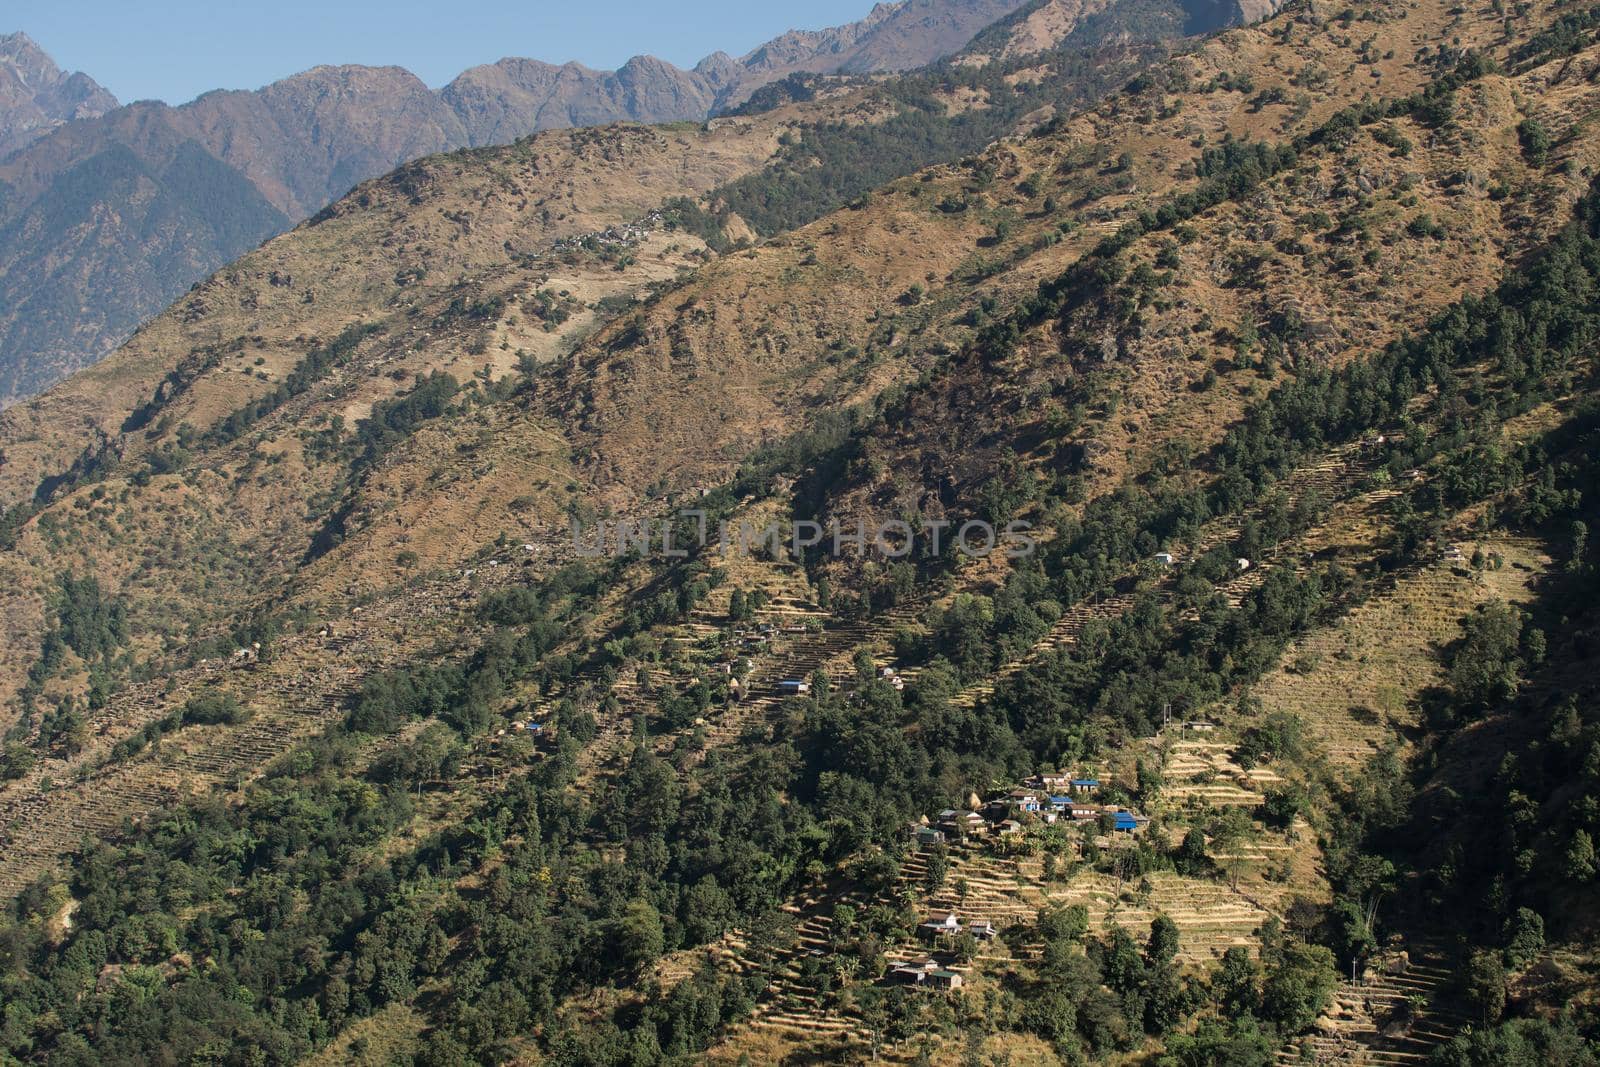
[[108, 213]]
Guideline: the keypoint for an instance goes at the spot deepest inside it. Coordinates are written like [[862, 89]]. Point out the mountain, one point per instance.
[[496, 101], [65, 239], [336, 740], [769, 171], [894, 37], [503, 101], [36, 96]]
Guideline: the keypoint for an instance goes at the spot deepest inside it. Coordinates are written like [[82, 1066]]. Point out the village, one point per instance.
[[1044, 799], [626, 235]]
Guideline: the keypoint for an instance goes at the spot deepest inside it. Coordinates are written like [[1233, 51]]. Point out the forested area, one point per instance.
[[827, 166]]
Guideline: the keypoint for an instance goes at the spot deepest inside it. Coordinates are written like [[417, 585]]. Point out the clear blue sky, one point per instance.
[[173, 50]]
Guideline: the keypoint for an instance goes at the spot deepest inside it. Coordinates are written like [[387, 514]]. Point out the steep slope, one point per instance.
[[646, 406], [36, 95], [73, 223], [860, 133], [465, 263], [782, 328], [170, 215]]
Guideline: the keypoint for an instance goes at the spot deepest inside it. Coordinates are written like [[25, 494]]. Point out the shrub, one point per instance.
[[1536, 142], [213, 709]]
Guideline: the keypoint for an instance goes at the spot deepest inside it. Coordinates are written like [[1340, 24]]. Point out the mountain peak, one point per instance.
[[715, 61], [647, 62], [893, 37], [18, 42], [21, 55], [36, 95]]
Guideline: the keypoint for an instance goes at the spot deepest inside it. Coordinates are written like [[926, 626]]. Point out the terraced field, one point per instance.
[[1393, 1017], [1211, 916], [982, 886], [1355, 684], [1203, 774]]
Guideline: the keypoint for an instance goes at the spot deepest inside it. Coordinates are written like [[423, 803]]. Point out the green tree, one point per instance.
[[1299, 987], [937, 871], [1190, 857], [1237, 1042], [1581, 857], [1485, 985], [1236, 986], [1536, 141], [638, 937], [1164, 941], [1166, 999], [1485, 665], [1524, 937], [15, 761], [212, 707], [1069, 924]]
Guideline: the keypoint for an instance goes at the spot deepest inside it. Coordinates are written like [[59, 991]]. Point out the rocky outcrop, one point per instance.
[[1255, 10], [1045, 24], [893, 37]]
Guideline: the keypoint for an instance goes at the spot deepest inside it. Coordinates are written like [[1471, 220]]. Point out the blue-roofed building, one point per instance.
[[1086, 785], [1125, 820]]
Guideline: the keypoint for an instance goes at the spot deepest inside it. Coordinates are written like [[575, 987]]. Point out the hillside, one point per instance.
[[332, 742], [89, 246]]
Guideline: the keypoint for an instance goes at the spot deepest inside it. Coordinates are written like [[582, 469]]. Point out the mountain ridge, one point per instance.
[[302, 142], [305, 140]]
